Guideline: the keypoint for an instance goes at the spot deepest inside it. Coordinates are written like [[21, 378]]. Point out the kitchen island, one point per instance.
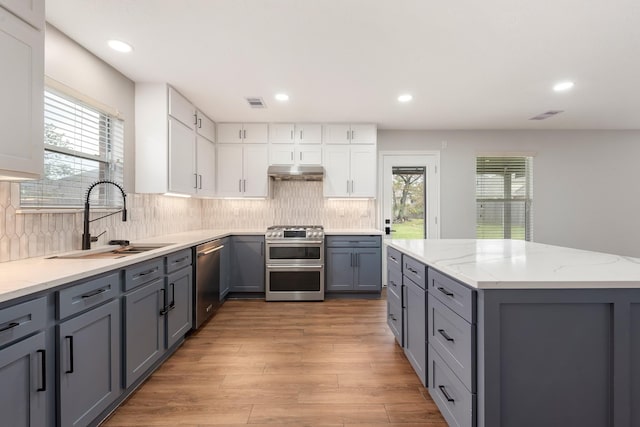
[[523, 334]]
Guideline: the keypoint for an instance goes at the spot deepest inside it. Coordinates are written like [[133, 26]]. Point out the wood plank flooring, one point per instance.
[[332, 363]]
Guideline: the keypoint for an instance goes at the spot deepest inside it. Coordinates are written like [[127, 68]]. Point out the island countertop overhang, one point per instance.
[[516, 264]]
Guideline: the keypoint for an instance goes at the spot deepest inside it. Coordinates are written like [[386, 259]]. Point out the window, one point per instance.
[[81, 145], [503, 197]]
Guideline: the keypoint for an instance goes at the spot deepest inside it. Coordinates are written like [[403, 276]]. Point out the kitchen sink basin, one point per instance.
[[121, 252]]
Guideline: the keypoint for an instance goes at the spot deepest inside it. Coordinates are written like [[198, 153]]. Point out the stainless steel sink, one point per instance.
[[121, 252]]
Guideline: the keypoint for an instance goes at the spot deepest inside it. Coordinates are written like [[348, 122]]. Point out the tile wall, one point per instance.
[[26, 235]]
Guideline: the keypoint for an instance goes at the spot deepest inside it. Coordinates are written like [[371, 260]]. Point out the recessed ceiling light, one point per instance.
[[405, 98], [562, 86], [119, 46], [282, 97]]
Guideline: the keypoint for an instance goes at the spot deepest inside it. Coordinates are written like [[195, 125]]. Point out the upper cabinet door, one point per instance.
[[206, 166], [337, 175], [205, 127], [180, 108], [309, 155], [229, 133], [31, 11], [255, 133], [364, 134], [255, 164], [182, 176], [229, 170], [337, 134], [281, 154], [363, 171], [308, 133], [21, 102], [281, 133]]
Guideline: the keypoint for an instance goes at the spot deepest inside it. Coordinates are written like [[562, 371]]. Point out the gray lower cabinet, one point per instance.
[[144, 329], [225, 267], [353, 264], [179, 308], [414, 328], [247, 272], [89, 364], [23, 394]]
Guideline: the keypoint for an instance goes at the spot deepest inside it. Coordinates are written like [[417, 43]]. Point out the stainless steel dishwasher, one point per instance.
[[206, 298]]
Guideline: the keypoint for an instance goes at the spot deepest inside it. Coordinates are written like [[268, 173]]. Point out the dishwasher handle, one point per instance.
[[210, 251]]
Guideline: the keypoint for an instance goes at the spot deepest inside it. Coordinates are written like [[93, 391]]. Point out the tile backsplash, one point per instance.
[[27, 234]]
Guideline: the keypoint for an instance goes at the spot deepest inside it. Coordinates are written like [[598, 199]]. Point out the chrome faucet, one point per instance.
[[86, 237]]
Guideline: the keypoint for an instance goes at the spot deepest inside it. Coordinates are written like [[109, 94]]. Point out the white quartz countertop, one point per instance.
[[28, 276], [516, 264], [352, 232]]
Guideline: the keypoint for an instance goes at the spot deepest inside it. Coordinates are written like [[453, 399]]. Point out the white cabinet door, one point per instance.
[[229, 170], [308, 133], [206, 166], [229, 133], [255, 181], [336, 167], [337, 134], [281, 133], [363, 171], [21, 99], [364, 134], [180, 108], [255, 133], [31, 11], [281, 154], [206, 127], [182, 176], [308, 155]]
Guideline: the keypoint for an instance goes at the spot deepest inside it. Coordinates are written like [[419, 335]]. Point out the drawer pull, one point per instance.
[[446, 292], [10, 326], [70, 370], [445, 394], [146, 273], [165, 308], [394, 283], [93, 294], [180, 260], [43, 361], [393, 259], [412, 270], [445, 335], [392, 317]]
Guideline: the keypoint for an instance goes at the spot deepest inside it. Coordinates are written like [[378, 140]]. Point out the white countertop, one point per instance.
[[352, 232], [516, 264]]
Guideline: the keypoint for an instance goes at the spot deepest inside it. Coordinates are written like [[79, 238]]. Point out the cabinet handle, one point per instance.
[[239, 186], [292, 156], [70, 339], [347, 135], [393, 259], [352, 187], [240, 134], [292, 135], [94, 293], [347, 186], [164, 309], [244, 134], [244, 185], [199, 123], [412, 270], [196, 175], [146, 273], [393, 283], [43, 364], [301, 156], [445, 335], [392, 317], [10, 326], [172, 304], [444, 291], [300, 135], [352, 135], [445, 394], [178, 261], [195, 119]]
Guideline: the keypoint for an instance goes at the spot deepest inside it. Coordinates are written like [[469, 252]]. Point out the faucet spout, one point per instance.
[[86, 236]]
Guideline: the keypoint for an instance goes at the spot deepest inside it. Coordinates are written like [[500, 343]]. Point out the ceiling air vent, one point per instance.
[[255, 102], [546, 115]]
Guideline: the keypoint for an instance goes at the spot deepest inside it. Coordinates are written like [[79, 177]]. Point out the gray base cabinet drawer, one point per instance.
[[415, 270], [394, 286], [178, 260], [456, 403], [22, 319], [394, 320], [142, 273], [353, 241], [458, 297], [78, 298], [394, 259], [455, 341]]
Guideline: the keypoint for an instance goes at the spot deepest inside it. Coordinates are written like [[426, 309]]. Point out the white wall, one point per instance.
[[586, 184], [88, 77]]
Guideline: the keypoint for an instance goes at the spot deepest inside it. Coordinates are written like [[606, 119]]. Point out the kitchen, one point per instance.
[[572, 202]]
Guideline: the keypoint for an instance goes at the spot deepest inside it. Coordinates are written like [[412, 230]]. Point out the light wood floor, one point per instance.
[[332, 363]]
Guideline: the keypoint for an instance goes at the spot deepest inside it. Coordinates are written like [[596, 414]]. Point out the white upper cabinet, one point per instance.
[[31, 11], [229, 170], [242, 170], [22, 89], [363, 171], [350, 134], [205, 126], [233, 133], [308, 133], [350, 171], [254, 167], [308, 154], [182, 174], [281, 133], [205, 166], [180, 108]]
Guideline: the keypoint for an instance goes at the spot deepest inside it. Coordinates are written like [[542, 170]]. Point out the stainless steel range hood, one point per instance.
[[296, 172]]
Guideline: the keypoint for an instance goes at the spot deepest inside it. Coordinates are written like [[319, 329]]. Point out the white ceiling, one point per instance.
[[469, 64]]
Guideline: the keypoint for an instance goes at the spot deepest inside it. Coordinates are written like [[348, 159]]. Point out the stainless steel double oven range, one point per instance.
[[294, 263]]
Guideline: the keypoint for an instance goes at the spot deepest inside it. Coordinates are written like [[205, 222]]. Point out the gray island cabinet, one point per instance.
[[522, 334]]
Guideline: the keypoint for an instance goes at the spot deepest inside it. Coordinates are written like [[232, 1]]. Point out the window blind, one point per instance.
[[504, 197], [82, 145]]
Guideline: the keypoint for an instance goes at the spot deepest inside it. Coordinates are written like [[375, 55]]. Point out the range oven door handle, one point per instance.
[[294, 267], [293, 243]]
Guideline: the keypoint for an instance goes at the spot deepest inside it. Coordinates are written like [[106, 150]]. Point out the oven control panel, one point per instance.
[[303, 232]]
